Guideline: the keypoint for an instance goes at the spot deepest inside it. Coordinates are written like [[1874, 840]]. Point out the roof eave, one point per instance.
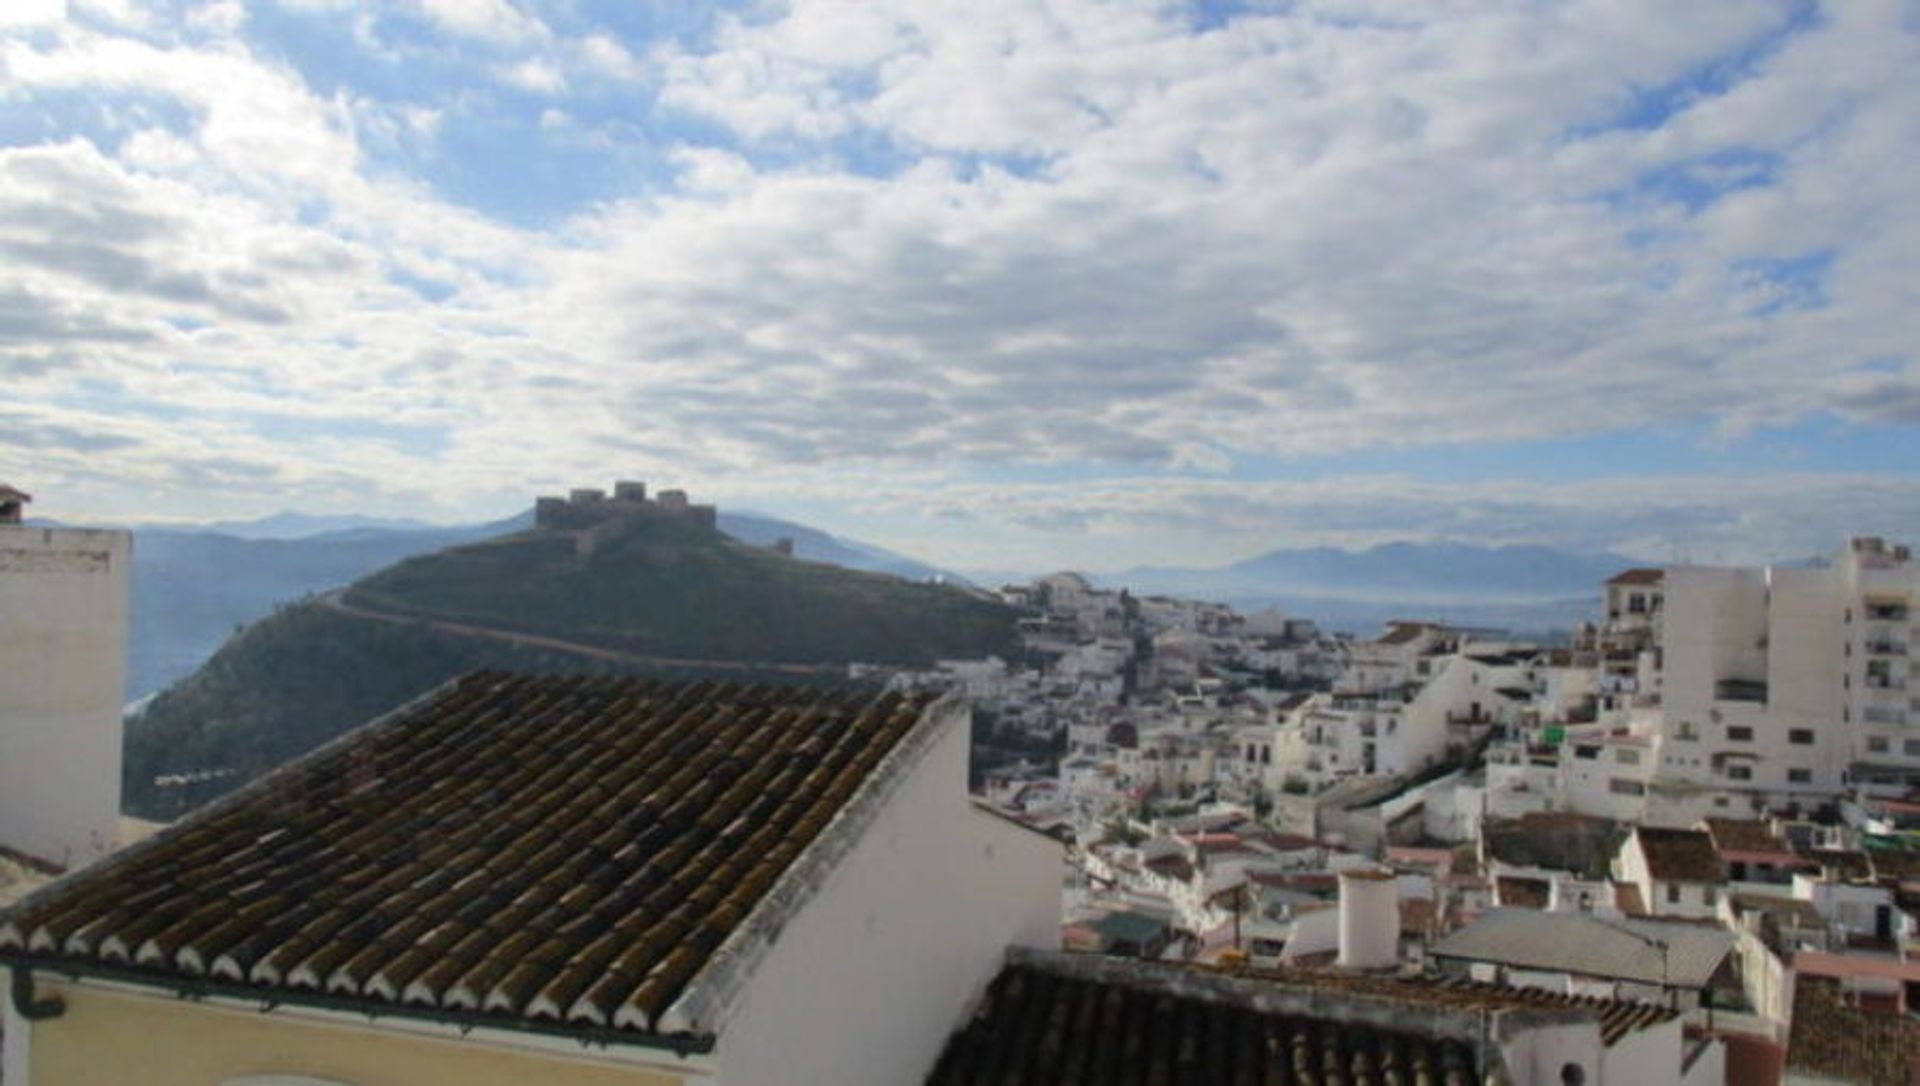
[[684, 1045]]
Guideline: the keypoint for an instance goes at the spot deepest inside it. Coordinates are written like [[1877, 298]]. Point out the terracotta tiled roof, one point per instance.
[[1617, 1017], [1081, 1019], [566, 849], [1743, 835], [1524, 893], [1173, 866], [1895, 864], [1842, 1043], [1848, 864], [1681, 855], [1041, 1027], [1638, 576]]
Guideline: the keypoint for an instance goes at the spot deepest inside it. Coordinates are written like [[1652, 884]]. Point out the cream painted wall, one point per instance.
[[63, 644], [110, 1038], [873, 975]]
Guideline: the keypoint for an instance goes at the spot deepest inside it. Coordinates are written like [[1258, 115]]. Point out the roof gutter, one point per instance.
[[27, 1007], [682, 1045]]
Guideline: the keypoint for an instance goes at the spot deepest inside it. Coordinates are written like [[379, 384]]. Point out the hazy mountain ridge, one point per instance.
[[1410, 575]]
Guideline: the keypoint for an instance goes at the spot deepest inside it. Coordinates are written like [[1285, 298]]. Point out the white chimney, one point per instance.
[[63, 646], [1369, 919]]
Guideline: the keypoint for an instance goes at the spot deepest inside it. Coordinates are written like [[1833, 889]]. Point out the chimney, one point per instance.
[[1369, 919], [63, 641], [13, 504]]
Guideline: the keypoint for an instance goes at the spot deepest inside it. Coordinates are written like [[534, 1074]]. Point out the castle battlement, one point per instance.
[[605, 515]]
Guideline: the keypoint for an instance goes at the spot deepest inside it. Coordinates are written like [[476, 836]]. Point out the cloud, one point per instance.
[[1126, 521], [536, 76], [495, 21], [934, 244]]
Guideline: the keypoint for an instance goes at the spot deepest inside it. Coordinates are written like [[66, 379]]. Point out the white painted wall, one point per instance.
[[871, 977], [63, 641]]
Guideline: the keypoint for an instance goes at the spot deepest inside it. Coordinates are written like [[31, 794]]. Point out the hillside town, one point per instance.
[[1720, 768], [1165, 842]]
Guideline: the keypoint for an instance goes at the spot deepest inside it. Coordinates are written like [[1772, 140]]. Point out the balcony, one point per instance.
[[1740, 690], [1883, 716], [1886, 612], [1886, 648], [1883, 682]]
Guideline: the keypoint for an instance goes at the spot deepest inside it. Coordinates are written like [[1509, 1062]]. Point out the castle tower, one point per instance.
[[63, 643]]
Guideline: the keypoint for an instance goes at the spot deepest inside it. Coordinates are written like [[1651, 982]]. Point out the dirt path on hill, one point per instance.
[[336, 601]]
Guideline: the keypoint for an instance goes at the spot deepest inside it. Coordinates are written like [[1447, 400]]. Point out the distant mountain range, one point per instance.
[[1402, 574]]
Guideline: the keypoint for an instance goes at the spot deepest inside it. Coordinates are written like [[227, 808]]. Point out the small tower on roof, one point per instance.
[[13, 504]]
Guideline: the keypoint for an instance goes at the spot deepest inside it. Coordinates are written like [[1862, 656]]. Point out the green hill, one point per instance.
[[669, 597], [674, 588]]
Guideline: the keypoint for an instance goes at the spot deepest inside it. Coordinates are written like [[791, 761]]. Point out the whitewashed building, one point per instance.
[[63, 638]]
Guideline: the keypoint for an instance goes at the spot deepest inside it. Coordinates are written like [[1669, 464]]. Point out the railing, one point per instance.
[[1883, 716], [1877, 682], [1886, 648], [1740, 690], [1886, 612]]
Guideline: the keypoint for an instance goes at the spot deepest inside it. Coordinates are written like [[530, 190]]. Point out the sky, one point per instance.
[[1002, 285]]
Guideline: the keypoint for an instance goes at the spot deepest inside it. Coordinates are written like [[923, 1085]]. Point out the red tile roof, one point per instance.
[[1681, 855], [1843, 1043], [567, 849], [1056, 1019], [1638, 577]]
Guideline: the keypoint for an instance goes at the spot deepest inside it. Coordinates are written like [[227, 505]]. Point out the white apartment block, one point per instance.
[[1729, 691], [1784, 685]]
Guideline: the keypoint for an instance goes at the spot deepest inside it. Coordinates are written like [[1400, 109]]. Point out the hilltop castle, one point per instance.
[[598, 518]]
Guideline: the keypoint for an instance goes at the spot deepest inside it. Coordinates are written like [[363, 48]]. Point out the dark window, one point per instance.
[[1800, 776], [1740, 772], [1740, 733], [1673, 893]]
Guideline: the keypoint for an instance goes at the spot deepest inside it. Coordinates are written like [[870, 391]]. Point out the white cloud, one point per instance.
[[495, 21], [993, 236], [537, 76]]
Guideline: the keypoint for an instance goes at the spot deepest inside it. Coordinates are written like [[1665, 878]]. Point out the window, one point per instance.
[[1586, 752], [1800, 776], [1912, 748], [1707, 894], [1876, 744], [1626, 756], [1802, 736], [1740, 772], [1673, 893], [1739, 733], [1620, 786]]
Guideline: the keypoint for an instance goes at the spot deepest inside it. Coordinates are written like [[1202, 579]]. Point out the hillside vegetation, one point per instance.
[[671, 599], [677, 590]]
